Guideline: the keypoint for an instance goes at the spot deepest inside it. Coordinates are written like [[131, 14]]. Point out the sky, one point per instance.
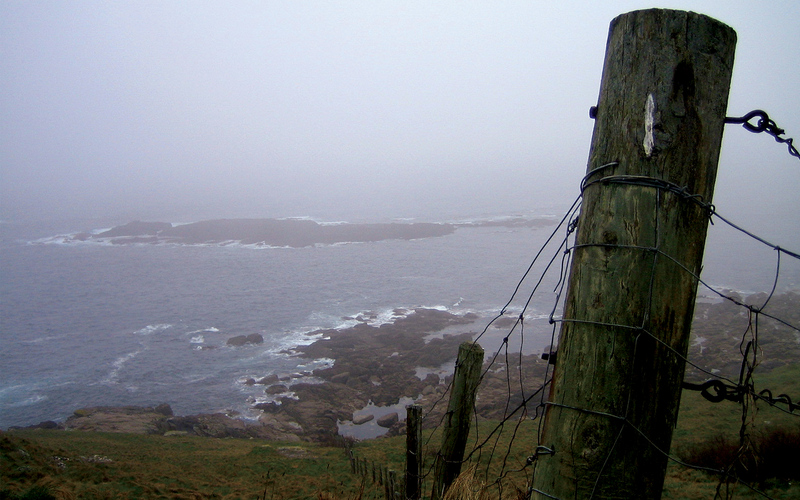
[[177, 110]]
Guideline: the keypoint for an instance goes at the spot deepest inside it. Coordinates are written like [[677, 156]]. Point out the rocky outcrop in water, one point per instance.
[[240, 340], [265, 232]]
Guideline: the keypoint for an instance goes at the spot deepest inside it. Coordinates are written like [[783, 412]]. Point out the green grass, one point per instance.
[[701, 421], [111, 465], [128, 466]]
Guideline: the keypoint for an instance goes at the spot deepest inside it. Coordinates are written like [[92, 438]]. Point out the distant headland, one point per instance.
[[294, 233]]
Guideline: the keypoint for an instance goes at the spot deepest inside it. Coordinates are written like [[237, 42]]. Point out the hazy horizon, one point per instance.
[[175, 111]]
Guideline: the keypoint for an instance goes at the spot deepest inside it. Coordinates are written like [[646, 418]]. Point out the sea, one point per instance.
[[87, 324]]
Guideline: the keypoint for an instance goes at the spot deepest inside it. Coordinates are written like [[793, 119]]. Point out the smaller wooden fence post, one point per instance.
[[457, 421], [414, 452]]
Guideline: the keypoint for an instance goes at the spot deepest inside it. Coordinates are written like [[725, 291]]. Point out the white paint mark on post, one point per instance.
[[649, 120]]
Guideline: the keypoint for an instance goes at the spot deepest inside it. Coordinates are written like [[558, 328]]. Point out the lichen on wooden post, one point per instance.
[[639, 247]]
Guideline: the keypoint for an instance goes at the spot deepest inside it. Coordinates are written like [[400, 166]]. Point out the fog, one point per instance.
[[358, 109]]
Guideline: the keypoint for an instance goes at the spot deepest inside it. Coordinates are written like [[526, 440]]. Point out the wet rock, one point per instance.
[[270, 407], [389, 420], [237, 341], [268, 380], [363, 419], [255, 338], [276, 389], [164, 409], [240, 340]]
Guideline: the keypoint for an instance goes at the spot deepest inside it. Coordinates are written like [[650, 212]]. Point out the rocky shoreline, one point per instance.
[[372, 364], [381, 365]]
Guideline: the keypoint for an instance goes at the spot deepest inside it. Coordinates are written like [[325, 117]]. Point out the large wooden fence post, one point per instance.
[[641, 233], [457, 420]]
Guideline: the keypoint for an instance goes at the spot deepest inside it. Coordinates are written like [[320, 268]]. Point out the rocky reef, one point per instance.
[[263, 232], [404, 359]]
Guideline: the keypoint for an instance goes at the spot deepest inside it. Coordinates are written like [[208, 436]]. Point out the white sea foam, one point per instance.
[[17, 396], [30, 400], [117, 365], [204, 330], [199, 339], [296, 338], [151, 329], [436, 308], [39, 340]]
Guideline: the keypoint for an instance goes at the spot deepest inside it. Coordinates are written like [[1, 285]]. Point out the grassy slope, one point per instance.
[[701, 420], [148, 466], [104, 465]]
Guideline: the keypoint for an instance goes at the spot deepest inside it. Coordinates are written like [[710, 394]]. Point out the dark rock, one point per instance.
[[240, 340], [319, 407], [255, 338], [164, 409], [388, 420], [269, 379], [218, 425], [397, 429], [276, 389], [237, 341], [47, 424], [270, 407]]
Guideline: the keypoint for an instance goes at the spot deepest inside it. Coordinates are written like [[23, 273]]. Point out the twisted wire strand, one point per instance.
[[490, 443], [747, 367]]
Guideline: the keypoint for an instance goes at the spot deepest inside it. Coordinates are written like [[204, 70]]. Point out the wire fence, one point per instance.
[[505, 441]]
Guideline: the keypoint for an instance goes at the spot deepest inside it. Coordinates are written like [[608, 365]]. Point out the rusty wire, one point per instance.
[[764, 124]]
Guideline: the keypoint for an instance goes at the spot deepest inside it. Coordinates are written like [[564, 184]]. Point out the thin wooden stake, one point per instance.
[[457, 421], [414, 452]]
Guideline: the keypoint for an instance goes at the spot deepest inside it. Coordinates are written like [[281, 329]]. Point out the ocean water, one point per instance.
[[88, 324]]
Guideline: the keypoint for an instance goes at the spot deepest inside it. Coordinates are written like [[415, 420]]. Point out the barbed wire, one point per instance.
[[764, 124]]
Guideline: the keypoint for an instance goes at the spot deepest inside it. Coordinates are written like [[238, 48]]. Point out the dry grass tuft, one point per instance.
[[467, 487]]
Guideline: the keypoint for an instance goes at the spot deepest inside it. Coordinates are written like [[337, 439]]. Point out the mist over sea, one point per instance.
[[88, 324]]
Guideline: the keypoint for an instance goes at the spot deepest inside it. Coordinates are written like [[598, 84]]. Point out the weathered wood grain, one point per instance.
[[615, 392]]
